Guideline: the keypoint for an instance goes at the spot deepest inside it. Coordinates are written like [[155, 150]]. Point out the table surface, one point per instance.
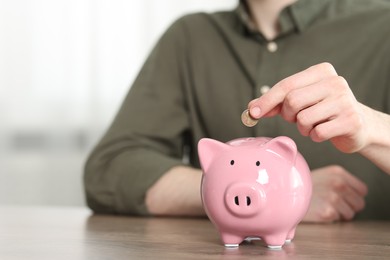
[[75, 233]]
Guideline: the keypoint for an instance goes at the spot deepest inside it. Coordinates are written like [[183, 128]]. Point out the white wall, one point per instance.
[[65, 66]]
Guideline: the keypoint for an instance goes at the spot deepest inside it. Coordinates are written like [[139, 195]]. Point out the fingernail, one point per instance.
[[255, 112]]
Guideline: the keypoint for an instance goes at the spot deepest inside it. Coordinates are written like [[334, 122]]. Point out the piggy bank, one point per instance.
[[254, 188]]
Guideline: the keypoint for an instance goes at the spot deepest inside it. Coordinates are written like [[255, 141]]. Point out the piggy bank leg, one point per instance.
[[231, 240], [290, 235], [275, 241]]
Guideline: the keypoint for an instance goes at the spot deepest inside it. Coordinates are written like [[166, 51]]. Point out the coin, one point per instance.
[[247, 120]]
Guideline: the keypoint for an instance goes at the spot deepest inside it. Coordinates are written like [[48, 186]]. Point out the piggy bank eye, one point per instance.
[[258, 163], [231, 162]]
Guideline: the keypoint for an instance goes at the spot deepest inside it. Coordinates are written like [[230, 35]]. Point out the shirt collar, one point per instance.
[[297, 16]]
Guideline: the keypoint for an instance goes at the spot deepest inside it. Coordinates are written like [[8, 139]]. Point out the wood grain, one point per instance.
[[69, 233]]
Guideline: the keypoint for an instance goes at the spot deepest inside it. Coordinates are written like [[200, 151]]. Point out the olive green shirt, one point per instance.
[[207, 67]]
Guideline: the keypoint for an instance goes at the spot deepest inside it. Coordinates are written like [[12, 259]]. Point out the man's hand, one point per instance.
[[337, 195], [324, 108], [321, 104]]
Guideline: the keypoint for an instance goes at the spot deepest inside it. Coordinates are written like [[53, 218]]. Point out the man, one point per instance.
[[205, 70]]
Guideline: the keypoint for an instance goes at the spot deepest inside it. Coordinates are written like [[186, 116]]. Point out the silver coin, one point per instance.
[[247, 120]]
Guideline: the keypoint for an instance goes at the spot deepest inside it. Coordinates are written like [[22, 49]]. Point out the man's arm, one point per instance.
[[145, 139], [176, 193], [378, 148]]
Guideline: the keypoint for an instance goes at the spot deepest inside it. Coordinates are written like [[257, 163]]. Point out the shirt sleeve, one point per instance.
[[146, 137]]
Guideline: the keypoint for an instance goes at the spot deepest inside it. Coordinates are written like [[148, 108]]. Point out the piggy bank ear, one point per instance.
[[283, 146], [208, 149]]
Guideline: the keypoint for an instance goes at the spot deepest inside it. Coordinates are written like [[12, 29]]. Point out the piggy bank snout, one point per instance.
[[244, 199]]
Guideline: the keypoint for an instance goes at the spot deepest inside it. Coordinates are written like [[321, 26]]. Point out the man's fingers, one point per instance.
[[354, 200], [351, 192], [266, 104], [356, 184], [345, 210]]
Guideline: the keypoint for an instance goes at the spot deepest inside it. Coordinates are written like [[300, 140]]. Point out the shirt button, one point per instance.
[[264, 89], [272, 46]]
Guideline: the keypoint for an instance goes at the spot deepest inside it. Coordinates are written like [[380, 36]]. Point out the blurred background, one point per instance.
[[65, 67]]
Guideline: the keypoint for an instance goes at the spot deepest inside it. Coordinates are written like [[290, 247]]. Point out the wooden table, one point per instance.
[[74, 233]]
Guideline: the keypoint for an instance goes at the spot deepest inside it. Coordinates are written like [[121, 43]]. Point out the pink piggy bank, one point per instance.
[[254, 188]]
